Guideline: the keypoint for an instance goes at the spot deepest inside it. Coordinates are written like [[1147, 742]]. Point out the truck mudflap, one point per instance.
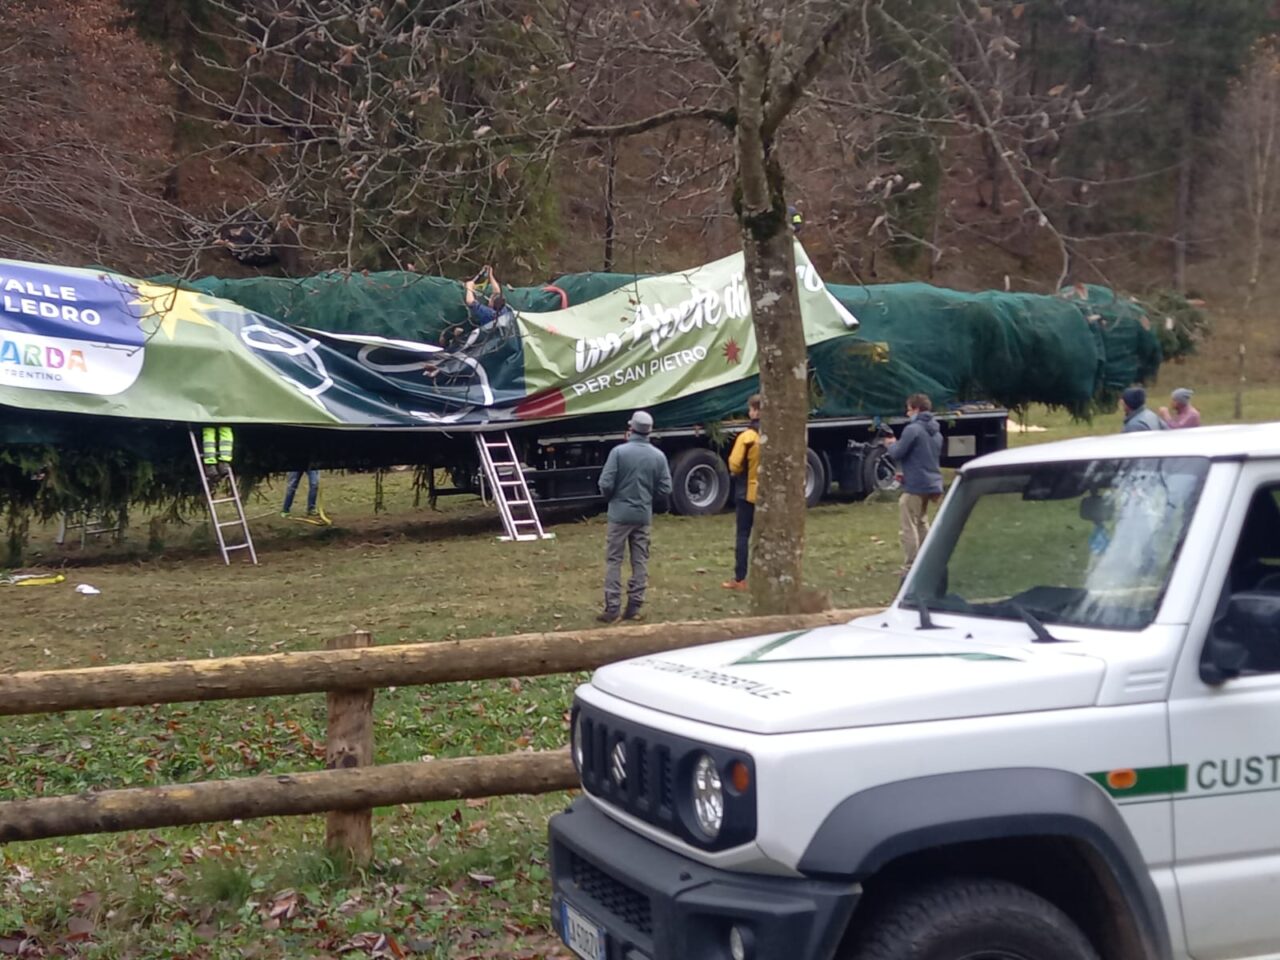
[[620, 896]]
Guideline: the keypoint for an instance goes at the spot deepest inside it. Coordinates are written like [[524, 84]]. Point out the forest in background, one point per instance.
[[972, 143]]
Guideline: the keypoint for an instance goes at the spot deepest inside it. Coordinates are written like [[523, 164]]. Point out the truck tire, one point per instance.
[[967, 918], [816, 478], [699, 483], [879, 472]]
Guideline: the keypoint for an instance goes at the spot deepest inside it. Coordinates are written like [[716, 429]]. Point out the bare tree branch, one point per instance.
[[794, 78]]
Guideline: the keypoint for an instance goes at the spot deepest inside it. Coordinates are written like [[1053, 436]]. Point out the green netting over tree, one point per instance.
[[1009, 348], [1074, 350]]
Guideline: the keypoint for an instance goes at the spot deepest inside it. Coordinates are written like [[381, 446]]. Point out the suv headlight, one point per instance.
[[708, 797]]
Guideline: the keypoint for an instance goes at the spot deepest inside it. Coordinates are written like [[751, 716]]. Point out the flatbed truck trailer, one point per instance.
[[846, 457]]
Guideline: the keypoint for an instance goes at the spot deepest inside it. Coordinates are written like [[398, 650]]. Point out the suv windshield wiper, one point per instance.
[[1039, 629], [1042, 634], [926, 620]]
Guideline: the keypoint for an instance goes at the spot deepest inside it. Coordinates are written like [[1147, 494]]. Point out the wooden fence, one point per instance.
[[348, 673]]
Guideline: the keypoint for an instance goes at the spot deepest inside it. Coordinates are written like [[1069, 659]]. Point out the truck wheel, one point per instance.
[[699, 481], [971, 919], [879, 472], [816, 478]]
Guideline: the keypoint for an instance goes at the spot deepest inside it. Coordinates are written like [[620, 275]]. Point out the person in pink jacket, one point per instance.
[[1183, 414]]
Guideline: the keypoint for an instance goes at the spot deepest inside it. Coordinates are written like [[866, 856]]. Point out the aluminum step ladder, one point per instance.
[[210, 486], [502, 472]]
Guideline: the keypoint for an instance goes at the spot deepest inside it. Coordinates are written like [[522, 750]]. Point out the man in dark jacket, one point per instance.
[[744, 465], [1137, 417], [918, 454], [635, 473]]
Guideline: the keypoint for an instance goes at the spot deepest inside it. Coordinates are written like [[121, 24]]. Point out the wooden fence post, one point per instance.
[[349, 833]]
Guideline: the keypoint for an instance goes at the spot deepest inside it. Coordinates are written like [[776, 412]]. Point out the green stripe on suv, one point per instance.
[[769, 647], [1143, 781]]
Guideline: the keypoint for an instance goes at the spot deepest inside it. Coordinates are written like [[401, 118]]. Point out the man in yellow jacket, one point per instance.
[[744, 463]]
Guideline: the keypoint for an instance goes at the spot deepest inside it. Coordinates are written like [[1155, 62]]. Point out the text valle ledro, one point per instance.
[[57, 337]]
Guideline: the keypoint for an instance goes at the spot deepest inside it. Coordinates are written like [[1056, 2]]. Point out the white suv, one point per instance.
[[1062, 741]]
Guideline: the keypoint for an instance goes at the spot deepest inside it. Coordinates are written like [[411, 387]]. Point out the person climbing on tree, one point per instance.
[[485, 312], [492, 323], [795, 218]]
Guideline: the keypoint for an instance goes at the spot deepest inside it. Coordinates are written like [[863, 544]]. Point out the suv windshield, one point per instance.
[[1088, 543]]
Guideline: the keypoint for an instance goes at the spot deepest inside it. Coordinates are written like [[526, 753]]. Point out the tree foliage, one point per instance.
[[382, 135]]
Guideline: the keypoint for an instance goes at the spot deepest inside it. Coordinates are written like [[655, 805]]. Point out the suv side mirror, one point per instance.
[[1246, 635]]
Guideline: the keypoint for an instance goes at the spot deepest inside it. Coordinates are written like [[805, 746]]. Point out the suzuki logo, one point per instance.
[[618, 763]]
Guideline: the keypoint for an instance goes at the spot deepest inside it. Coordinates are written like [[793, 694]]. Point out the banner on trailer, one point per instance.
[[96, 343]]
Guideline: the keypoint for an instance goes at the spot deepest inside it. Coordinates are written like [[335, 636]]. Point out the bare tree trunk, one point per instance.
[[776, 561], [1258, 184], [181, 107], [991, 149], [1182, 212], [769, 252], [1181, 216], [1255, 270], [610, 178]]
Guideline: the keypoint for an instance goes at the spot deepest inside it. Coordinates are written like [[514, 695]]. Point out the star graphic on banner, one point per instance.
[[732, 352], [166, 307]]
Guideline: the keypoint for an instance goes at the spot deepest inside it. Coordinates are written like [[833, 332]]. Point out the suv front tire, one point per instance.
[[969, 919]]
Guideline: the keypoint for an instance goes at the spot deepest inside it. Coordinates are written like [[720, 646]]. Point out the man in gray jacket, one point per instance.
[[635, 473], [1137, 417], [918, 454]]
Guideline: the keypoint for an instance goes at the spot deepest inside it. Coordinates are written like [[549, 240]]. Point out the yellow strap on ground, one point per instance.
[[32, 580]]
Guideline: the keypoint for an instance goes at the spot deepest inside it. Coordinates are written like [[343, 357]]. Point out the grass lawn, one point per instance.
[[450, 880]]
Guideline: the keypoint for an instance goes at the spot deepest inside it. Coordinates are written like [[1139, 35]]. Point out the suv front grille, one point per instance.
[[629, 906], [648, 790], [637, 769]]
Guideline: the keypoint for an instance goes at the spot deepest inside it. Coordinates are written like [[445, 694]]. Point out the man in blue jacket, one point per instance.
[[1138, 418], [918, 454], [635, 473]]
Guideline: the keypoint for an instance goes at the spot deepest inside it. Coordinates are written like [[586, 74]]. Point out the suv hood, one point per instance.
[[858, 674]]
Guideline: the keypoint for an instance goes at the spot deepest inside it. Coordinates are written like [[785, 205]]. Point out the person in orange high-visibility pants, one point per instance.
[[218, 444]]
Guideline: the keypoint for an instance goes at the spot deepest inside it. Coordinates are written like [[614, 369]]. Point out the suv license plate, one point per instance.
[[584, 937]]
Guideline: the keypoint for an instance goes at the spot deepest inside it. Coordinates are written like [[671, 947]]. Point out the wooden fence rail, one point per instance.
[[402, 665], [348, 673], [352, 790]]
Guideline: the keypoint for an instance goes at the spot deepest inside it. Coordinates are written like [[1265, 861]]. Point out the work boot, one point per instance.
[[224, 468], [632, 612], [609, 615], [211, 471]]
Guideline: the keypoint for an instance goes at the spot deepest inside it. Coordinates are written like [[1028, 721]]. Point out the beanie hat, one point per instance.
[[1182, 395], [641, 422], [1135, 398]]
